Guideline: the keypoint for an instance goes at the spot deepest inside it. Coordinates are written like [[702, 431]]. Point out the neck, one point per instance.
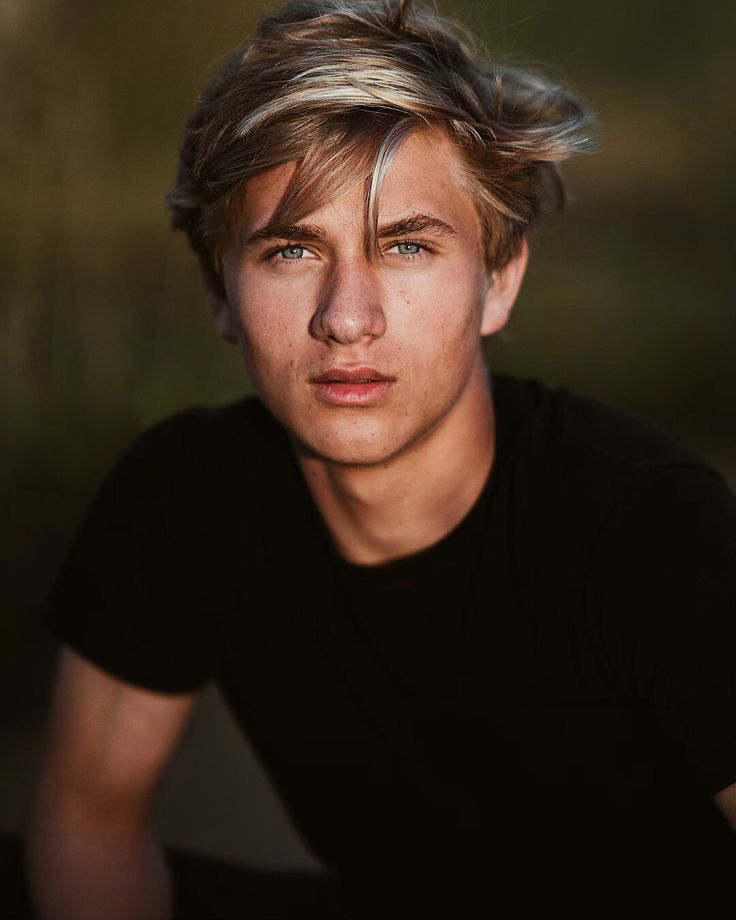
[[382, 512]]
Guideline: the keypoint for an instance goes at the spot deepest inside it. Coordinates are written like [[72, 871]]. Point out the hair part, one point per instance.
[[337, 86]]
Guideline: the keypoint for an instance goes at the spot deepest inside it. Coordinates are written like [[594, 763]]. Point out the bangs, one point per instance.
[[353, 149]]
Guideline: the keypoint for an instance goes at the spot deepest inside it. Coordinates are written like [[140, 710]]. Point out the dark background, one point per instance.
[[103, 329]]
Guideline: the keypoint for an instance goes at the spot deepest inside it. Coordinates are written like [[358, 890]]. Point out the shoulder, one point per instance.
[[201, 438], [582, 452], [590, 488], [610, 485], [244, 421], [650, 477], [676, 523], [587, 426], [618, 436], [182, 466], [659, 559]]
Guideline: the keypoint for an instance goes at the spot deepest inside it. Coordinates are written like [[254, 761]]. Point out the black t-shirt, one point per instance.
[[411, 609], [533, 713]]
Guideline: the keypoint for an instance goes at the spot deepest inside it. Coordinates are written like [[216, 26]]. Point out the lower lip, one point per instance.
[[348, 393]]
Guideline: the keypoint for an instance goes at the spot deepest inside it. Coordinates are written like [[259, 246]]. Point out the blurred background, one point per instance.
[[103, 329]]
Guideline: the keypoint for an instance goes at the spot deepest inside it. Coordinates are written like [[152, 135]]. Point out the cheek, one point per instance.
[[269, 333], [441, 320]]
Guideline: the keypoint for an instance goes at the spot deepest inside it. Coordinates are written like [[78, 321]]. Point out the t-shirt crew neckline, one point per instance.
[[472, 520]]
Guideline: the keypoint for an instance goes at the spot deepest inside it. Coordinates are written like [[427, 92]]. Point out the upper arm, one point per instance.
[[726, 802], [107, 740], [663, 592]]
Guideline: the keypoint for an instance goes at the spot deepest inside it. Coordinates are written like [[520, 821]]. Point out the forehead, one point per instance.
[[425, 177]]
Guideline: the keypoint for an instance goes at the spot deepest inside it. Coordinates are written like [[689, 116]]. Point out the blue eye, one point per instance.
[[292, 252], [409, 249]]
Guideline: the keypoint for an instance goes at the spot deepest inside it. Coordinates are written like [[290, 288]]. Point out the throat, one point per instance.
[[378, 515]]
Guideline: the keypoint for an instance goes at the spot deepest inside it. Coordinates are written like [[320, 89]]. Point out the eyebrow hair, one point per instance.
[[419, 223], [310, 233]]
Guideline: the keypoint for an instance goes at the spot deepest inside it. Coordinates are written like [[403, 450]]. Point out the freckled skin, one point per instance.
[[417, 320]]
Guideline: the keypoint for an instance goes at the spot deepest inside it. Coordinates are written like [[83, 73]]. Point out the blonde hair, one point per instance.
[[337, 86]]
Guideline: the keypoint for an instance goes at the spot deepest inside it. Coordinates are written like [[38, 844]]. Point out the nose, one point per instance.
[[350, 308]]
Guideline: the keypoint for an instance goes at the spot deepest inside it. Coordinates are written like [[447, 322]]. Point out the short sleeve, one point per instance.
[[129, 596], [662, 595]]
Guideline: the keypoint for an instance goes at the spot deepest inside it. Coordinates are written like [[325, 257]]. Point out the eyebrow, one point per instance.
[[308, 233], [311, 233], [419, 223]]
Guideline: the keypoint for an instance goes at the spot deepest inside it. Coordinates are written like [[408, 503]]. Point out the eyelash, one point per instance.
[[425, 247]]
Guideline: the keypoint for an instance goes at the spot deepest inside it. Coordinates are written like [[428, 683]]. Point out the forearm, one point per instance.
[[86, 867]]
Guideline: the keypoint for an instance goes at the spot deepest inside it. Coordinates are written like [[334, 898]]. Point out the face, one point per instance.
[[361, 359]]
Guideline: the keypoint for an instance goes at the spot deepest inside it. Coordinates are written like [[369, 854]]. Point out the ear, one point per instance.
[[222, 311], [504, 286]]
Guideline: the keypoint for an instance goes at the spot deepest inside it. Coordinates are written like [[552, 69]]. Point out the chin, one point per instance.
[[348, 454], [351, 447]]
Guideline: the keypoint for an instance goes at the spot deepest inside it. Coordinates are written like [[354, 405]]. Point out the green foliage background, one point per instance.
[[102, 326]]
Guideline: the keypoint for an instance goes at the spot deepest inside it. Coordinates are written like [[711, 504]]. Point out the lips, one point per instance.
[[351, 375], [352, 387]]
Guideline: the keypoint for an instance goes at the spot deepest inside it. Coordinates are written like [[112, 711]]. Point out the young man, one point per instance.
[[479, 631]]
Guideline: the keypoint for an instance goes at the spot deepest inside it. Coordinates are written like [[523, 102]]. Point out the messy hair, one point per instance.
[[337, 86]]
